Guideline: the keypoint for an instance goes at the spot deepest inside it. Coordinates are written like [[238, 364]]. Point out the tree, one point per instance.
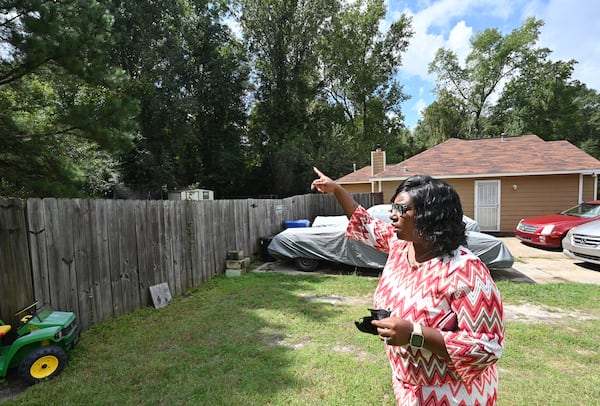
[[56, 87], [359, 65], [444, 118], [189, 75], [325, 87], [539, 101], [282, 39], [494, 59]]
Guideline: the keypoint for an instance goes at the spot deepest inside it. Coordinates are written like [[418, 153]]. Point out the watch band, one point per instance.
[[416, 337]]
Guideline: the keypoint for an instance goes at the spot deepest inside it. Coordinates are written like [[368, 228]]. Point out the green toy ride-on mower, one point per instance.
[[38, 346]]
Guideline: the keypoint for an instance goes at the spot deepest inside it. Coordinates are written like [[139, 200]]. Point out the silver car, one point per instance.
[[583, 242]]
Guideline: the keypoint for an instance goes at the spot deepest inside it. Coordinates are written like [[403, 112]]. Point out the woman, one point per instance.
[[446, 328]]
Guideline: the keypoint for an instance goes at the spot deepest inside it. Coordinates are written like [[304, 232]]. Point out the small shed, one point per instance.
[[192, 194]]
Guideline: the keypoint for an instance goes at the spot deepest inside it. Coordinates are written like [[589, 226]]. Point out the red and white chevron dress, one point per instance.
[[453, 293]]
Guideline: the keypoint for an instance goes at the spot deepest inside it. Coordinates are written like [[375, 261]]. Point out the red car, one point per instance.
[[549, 230]]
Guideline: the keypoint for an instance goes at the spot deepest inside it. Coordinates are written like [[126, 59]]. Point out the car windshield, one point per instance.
[[585, 210]]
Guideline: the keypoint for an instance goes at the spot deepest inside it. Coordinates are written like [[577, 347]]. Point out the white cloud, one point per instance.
[[571, 31], [459, 38], [420, 106]]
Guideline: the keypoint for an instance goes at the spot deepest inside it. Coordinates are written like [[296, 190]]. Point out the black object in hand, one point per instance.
[[365, 325]]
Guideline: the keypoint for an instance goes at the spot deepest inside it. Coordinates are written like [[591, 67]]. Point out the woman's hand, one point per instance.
[[324, 184], [394, 330]]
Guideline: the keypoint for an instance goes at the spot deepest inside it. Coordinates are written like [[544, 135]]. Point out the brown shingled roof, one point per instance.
[[361, 175], [523, 155]]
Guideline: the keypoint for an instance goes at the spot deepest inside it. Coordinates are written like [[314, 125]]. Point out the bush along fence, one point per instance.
[[98, 258]]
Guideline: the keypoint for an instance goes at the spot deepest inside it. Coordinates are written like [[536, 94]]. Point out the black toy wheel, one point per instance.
[[306, 264], [41, 364]]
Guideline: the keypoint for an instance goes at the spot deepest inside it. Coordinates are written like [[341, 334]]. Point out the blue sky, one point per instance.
[[571, 31]]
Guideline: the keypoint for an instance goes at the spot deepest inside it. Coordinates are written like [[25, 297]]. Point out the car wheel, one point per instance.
[[42, 363], [306, 264]]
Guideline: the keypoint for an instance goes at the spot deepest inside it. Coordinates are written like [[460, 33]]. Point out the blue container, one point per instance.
[[296, 223]]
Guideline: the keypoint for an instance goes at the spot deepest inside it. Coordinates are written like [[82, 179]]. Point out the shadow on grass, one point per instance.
[[230, 342]]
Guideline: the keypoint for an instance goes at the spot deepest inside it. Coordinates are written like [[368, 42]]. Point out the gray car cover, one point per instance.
[[329, 243]]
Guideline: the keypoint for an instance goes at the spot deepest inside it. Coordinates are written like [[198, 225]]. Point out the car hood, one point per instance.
[[590, 228], [559, 220]]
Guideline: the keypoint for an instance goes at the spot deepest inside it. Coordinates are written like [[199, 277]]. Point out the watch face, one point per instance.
[[416, 340]]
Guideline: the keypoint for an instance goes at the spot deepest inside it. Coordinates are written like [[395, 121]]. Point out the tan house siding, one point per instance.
[[531, 198], [588, 188], [466, 190], [389, 189], [515, 204]]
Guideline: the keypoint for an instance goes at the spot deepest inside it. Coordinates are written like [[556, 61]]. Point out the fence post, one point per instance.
[[16, 287]]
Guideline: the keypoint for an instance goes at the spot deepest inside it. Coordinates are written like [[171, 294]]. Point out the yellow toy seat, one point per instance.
[[4, 329]]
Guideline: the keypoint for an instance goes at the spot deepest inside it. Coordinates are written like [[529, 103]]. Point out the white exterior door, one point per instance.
[[487, 204]]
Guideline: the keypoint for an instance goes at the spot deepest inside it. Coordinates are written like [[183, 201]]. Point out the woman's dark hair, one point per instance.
[[438, 212]]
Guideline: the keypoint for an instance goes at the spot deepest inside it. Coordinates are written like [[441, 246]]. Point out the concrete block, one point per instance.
[[235, 255], [161, 295], [233, 273], [238, 264]]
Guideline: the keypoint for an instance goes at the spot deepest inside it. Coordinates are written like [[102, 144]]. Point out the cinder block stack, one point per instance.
[[236, 263]]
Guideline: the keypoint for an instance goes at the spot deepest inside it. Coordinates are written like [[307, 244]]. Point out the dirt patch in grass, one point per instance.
[[525, 312], [340, 300]]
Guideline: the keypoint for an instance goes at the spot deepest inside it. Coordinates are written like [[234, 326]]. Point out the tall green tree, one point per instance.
[[282, 38], [62, 108], [189, 75], [326, 92], [494, 59], [546, 101], [444, 118], [359, 65], [586, 129], [216, 84]]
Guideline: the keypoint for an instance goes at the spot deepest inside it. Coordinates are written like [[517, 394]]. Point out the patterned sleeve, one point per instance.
[[478, 341], [368, 230]]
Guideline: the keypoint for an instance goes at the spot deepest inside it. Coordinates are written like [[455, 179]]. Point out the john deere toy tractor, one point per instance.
[[38, 346]]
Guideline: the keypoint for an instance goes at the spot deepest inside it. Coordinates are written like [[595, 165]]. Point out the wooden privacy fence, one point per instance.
[[98, 258]]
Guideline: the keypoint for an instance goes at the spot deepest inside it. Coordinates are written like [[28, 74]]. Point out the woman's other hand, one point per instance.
[[324, 184]]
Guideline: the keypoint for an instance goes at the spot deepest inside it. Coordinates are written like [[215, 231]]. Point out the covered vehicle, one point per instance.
[[326, 241], [583, 242], [549, 230]]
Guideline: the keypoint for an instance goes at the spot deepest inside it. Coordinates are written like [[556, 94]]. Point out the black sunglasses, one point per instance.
[[400, 208]]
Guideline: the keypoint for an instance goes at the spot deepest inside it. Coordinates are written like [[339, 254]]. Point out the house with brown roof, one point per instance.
[[499, 180]]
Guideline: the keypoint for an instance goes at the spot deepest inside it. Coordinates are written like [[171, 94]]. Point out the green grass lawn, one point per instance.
[[274, 339]]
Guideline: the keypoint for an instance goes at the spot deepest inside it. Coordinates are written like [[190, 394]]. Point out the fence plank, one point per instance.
[[114, 220], [142, 224], [130, 277], [102, 277], [16, 290], [82, 257], [38, 246]]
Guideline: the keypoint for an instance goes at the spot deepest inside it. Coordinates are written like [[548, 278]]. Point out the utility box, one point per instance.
[[192, 194]]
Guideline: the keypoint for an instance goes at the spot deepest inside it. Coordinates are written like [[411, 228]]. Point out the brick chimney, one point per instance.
[[377, 160]]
